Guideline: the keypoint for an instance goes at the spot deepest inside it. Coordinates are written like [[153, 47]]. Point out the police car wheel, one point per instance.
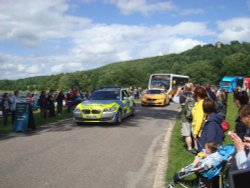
[[119, 118], [133, 111]]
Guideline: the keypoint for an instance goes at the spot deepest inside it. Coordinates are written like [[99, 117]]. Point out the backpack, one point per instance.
[[189, 104], [218, 107], [225, 126]]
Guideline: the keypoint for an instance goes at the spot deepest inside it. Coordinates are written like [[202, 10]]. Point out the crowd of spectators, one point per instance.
[[50, 103], [208, 110], [135, 92]]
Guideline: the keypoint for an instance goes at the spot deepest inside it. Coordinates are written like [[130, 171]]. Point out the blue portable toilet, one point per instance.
[[21, 118]]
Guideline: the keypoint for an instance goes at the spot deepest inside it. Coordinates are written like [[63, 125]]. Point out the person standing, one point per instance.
[[29, 99], [210, 93], [13, 101], [5, 107], [187, 103], [198, 114], [51, 105], [59, 100], [135, 92], [222, 103], [43, 104], [69, 102]]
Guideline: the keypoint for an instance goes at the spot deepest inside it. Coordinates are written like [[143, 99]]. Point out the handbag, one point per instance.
[[225, 126], [176, 99]]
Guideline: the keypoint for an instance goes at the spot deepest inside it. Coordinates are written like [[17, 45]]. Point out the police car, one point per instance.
[[108, 104]]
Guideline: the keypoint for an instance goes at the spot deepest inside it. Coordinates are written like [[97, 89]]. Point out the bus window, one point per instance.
[[178, 81], [160, 81]]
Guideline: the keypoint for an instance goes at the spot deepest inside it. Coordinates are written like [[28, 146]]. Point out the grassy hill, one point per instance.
[[204, 64]]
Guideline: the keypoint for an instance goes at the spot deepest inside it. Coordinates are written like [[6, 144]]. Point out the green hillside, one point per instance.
[[204, 64]]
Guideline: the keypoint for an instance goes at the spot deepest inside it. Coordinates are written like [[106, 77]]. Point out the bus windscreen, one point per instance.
[[160, 81]]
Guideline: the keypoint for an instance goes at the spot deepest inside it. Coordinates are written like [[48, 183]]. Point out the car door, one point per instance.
[[125, 103]]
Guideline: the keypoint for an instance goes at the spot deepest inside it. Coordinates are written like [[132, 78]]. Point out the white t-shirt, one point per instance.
[[242, 160]]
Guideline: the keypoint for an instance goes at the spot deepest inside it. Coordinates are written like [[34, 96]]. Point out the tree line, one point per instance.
[[204, 64]]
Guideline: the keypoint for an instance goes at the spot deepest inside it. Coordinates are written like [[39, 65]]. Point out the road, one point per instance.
[[64, 155]]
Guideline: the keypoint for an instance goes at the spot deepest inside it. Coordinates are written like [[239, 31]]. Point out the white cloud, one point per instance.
[[29, 22], [18, 67], [234, 29], [33, 69], [99, 48], [103, 44], [146, 7], [91, 45], [57, 68], [142, 6], [180, 45], [189, 29], [13, 67]]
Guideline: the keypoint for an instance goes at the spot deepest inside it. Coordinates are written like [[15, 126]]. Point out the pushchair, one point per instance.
[[219, 166]]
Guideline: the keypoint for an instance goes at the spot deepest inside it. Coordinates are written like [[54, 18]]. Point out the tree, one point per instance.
[[65, 82], [237, 64], [200, 72]]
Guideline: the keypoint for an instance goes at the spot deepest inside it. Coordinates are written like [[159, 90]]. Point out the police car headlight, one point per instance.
[[111, 109], [77, 110]]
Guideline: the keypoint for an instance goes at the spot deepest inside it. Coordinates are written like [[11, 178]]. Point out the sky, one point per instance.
[[60, 36]]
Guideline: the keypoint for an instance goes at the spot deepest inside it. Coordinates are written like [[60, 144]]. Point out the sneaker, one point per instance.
[[193, 151], [171, 185], [197, 151]]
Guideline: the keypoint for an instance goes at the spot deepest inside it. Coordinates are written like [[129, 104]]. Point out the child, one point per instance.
[[208, 164], [205, 158]]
